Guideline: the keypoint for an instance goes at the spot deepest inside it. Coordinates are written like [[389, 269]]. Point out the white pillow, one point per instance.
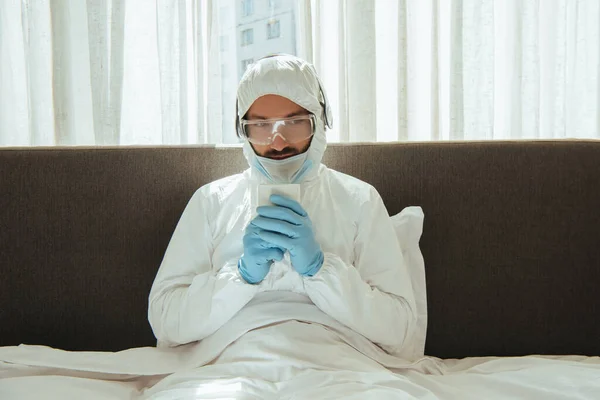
[[408, 225]]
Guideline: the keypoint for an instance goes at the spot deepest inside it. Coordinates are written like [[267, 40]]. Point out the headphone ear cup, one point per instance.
[[324, 116], [327, 112]]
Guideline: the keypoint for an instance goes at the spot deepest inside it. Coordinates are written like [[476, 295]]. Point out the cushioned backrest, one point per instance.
[[511, 239]]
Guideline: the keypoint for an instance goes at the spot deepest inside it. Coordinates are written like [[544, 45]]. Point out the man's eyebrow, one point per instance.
[[290, 115]]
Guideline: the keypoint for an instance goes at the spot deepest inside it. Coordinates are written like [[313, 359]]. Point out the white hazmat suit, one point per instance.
[[363, 286]]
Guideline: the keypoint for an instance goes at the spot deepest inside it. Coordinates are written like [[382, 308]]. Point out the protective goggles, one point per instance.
[[292, 130]]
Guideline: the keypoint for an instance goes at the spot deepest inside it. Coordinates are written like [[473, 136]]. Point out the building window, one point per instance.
[[247, 7], [273, 30], [247, 37], [224, 71], [246, 63], [274, 4]]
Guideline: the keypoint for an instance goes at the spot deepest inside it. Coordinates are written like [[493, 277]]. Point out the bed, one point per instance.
[[510, 240]]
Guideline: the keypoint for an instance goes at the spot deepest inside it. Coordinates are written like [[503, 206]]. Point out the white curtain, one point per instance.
[[460, 69], [126, 72], [105, 72]]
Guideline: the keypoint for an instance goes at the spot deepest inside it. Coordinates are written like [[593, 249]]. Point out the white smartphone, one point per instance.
[[291, 191]]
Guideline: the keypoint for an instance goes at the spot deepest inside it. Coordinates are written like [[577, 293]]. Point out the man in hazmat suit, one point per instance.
[[328, 262]]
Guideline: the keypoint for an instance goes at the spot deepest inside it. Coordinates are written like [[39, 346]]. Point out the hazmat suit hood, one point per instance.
[[297, 80]]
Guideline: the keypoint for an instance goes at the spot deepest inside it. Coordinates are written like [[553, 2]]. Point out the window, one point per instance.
[[224, 71], [223, 42], [273, 30], [247, 37], [246, 63], [247, 7], [274, 4]]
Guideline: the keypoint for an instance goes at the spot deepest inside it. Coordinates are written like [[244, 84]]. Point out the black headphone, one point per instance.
[[327, 117]]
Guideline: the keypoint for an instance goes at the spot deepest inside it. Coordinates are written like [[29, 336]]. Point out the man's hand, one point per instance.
[[287, 225], [258, 256]]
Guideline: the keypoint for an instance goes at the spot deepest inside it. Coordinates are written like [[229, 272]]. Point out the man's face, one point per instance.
[[274, 106]]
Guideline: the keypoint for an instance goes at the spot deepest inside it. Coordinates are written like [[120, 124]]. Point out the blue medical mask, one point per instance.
[[290, 170]]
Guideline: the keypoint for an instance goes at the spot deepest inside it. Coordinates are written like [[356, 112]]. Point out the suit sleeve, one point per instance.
[[189, 300], [374, 296]]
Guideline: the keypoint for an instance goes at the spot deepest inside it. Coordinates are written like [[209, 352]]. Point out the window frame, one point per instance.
[[247, 8], [270, 27], [250, 37]]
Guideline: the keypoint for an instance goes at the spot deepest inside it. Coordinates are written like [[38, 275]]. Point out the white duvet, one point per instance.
[[287, 360]]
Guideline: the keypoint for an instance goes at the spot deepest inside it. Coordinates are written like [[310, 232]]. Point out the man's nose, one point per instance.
[[278, 143]]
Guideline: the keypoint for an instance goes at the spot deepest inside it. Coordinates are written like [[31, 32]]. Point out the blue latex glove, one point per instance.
[[258, 256], [288, 226]]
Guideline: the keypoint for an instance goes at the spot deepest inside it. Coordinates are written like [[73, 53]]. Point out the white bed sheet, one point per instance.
[[291, 360], [522, 378]]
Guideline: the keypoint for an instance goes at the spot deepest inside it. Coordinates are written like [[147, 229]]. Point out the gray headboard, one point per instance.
[[511, 239]]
